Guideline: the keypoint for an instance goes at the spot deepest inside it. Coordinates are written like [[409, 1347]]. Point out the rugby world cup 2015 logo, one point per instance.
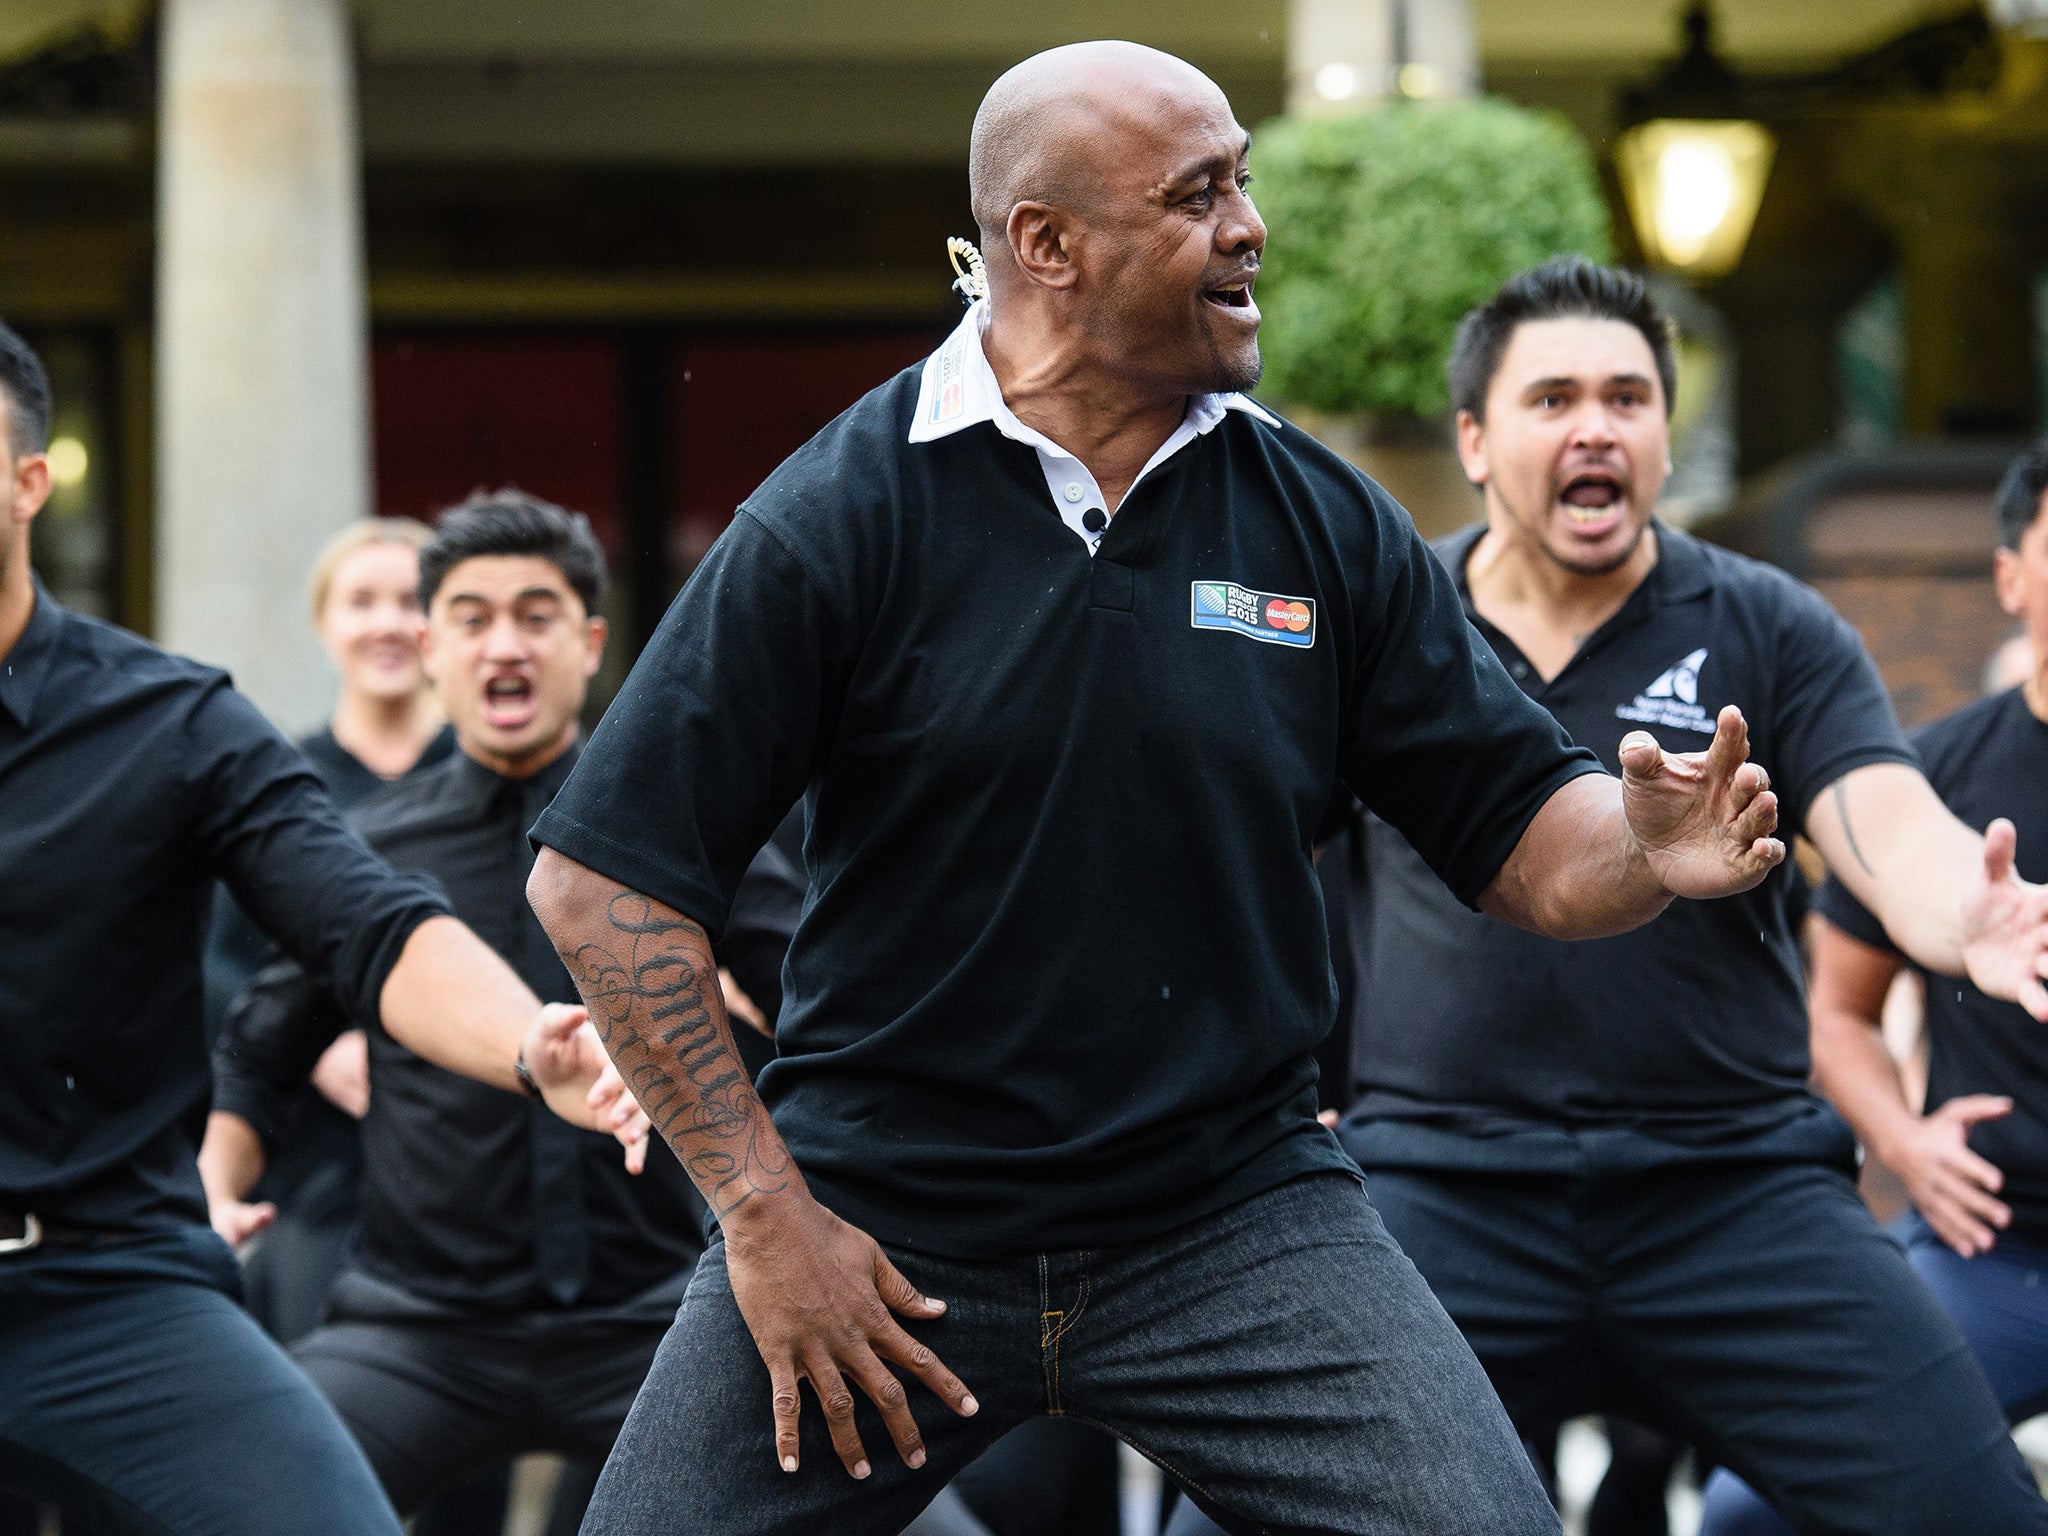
[[1270, 616]]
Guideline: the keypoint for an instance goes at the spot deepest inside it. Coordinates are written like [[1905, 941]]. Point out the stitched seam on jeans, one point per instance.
[[1080, 1306], [1082, 1418], [1052, 1399], [1049, 1357]]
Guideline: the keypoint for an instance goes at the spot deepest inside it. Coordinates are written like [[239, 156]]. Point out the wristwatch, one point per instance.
[[525, 1076]]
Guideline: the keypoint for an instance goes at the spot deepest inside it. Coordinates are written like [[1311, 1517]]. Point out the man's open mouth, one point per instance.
[[508, 693], [1589, 497], [1237, 295]]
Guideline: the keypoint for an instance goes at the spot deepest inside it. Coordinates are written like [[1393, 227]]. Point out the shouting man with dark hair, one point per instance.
[[137, 1390], [511, 1280], [1066, 646], [1604, 1157]]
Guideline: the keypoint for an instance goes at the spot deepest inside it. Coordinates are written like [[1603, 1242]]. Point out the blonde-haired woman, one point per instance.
[[364, 595], [365, 601]]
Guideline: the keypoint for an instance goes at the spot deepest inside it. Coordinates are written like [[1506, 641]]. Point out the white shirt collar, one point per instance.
[[959, 390]]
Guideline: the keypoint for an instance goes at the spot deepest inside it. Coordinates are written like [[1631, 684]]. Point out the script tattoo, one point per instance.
[[652, 993], [1842, 810]]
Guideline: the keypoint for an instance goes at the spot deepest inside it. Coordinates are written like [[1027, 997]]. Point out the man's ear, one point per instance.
[[1472, 447], [1040, 239], [31, 487], [423, 637], [595, 632], [2005, 576]]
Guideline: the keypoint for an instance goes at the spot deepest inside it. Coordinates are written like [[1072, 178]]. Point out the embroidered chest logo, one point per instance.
[[1269, 616], [1673, 699]]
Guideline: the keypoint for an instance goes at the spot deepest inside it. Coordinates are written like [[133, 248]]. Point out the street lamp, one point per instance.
[[1693, 186], [1693, 165]]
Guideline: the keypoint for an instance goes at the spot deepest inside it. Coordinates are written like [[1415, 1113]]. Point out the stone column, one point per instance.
[[1344, 55], [261, 382]]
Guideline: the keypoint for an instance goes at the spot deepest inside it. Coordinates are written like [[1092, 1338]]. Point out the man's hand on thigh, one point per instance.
[[817, 1295]]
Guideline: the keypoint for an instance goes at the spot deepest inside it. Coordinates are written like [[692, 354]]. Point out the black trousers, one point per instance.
[[137, 1394], [1756, 1311], [433, 1404]]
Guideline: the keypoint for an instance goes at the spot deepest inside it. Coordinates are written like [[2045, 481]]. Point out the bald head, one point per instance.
[[1046, 131]]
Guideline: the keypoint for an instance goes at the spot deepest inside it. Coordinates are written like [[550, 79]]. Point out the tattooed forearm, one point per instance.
[[1848, 831], [651, 986]]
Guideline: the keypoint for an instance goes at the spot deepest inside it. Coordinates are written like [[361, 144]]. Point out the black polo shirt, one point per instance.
[[130, 780], [1692, 1027], [1063, 961], [1988, 759]]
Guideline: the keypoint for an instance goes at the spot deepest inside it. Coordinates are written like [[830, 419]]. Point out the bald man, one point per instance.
[[1066, 645]]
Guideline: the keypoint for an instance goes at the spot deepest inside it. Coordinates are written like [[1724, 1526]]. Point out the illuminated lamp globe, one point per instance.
[[1693, 188], [68, 462]]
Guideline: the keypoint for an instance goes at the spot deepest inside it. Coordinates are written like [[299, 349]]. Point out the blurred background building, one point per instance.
[[293, 259]]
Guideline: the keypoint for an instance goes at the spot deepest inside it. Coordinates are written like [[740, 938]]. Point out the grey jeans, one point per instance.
[[1281, 1360]]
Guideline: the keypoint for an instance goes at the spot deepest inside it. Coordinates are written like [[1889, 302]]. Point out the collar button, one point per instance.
[[1073, 491]]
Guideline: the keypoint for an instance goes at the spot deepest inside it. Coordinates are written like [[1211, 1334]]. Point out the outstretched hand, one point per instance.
[[2005, 928], [1703, 820], [578, 1081]]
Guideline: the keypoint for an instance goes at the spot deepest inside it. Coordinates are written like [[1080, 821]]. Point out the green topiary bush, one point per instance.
[[1386, 228]]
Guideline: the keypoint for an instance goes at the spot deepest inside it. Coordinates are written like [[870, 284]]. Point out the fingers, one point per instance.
[[1730, 746], [608, 1094], [254, 1219], [1758, 819], [904, 1299], [899, 1295], [1640, 755], [636, 1156], [2033, 997], [2000, 839], [788, 1405], [836, 1398], [1956, 1198], [237, 1223], [893, 1343], [1975, 1108], [558, 1021], [886, 1392], [1966, 1236], [1327, 1118], [1978, 1174], [1992, 1213], [843, 1342]]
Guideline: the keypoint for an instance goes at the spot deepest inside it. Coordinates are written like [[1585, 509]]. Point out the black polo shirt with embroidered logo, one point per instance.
[[1692, 1027], [1063, 961]]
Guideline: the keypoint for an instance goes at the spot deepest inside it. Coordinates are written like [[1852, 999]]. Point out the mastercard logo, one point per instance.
[[1282, 614]]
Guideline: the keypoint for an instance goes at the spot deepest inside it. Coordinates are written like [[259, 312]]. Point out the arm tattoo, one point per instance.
[[1842, 810], [652, 992]]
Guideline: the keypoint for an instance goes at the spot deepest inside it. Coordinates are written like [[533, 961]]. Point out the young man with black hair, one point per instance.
[[1974, 1158], [1066, 645], [510, 1279], [137, 1391], [1604, 1156]]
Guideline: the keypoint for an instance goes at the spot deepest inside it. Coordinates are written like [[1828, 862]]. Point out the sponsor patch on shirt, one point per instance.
[[949, 393], [1269, 616], [1673, 699]]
